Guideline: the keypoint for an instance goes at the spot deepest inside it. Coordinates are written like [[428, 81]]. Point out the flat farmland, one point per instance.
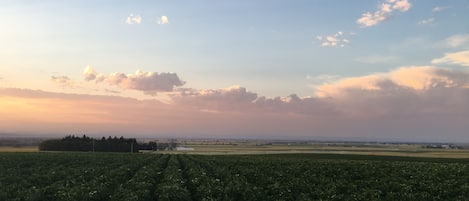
[[124, 176], [19, 149], [252, 148], [381, 150]]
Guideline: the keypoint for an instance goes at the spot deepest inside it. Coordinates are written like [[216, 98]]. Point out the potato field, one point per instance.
[[163, 177]]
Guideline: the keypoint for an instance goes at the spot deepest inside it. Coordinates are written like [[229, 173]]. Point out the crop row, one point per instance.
[[153, 177]]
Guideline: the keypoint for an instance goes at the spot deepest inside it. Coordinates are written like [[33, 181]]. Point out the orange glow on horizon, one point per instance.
[[51, 110]]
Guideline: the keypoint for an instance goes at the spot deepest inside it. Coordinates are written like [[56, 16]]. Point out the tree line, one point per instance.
[[85, 143]]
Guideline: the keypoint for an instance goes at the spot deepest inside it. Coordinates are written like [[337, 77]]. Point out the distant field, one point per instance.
[[19, 149], [247, 149], [385, 150], [150, 177]]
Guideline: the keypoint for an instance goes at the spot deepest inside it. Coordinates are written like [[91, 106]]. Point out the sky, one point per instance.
[[306, 69]]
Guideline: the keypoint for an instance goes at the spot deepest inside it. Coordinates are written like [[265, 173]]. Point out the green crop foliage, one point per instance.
[[154, 177]]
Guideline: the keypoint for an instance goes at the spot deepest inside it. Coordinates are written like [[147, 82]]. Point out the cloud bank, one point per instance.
[[410, 90], [384, 12], [414, 102], [148, 82]]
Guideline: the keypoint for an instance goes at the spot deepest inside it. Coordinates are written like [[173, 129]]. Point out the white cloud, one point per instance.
[[440, 8], [163, 20], [426, 21], [336, 40], [459, 58], [402, 5], [356, 83], [368, 19], [148, 82], [383, 13], [137, 19], [89, 73], [455, 41], [386, 8], [133, 19]]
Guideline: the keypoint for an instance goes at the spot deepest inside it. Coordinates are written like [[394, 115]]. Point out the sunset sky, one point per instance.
[[304, 69]]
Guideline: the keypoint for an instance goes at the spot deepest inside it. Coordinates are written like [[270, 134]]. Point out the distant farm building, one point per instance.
[[184, 149]]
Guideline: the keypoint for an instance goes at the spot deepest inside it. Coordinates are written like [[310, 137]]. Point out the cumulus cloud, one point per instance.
[[229, 97], [361, 83], [459, 58], [455, 41], [295, 105], [414, 78], [419, 102], [237, 99], [163, 20], [371, 19], [336, 40], [400, 5], [148, 82], [440, 8], [61, 80], [133, 19], [426, 21], [89, 73], [414, 92], [384, 12], [409, 92]]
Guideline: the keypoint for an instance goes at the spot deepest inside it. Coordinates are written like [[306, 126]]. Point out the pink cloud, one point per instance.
[[384, 12], [410, 91], [417, 102], [231, 97], [148, 82]]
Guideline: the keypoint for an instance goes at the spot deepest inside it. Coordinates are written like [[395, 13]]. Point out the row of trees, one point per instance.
[[85, 143]]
